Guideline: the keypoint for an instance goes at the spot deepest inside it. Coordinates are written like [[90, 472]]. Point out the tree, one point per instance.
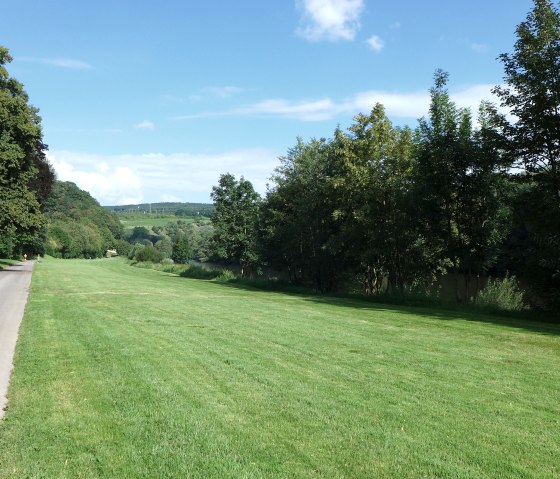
[[374, 206], [298, 229], [532, 94], [459, 186], [182, 251], [235, 221], [531, 91], [21, 158]]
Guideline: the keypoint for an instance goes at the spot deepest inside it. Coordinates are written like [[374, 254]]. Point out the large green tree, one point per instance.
[[459, 186], [299, 230], [531, 91], [235, 221], [374, 201], [25, 174]]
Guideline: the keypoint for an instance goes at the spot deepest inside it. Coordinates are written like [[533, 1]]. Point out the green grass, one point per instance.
[[130, 372], [7, 262]]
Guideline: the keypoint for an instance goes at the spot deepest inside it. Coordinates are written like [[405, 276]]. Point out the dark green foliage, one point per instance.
[[532, 93], [25, 174], [200, 272], [181, 250], [78, 226], [141, 233], [459, 187], [299, 232]]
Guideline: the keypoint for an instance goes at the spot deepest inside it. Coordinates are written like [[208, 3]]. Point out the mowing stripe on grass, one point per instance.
[[175, 377]]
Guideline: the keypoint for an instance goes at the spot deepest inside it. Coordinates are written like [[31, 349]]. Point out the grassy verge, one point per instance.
[[7, 262], [129, 372]]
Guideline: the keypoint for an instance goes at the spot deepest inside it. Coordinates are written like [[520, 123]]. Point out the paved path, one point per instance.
[[14, 288]]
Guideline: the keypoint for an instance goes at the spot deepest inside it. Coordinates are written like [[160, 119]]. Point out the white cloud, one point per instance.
[[330, 19], [145, 125], [375, 43], [128, 179], [69, 63], [109, 184], [397, 104]]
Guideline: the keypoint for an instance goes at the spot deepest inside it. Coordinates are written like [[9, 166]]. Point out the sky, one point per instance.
[[149, 101]]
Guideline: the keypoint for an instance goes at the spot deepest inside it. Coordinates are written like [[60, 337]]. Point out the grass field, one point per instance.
[[148, 220], [125, 373]]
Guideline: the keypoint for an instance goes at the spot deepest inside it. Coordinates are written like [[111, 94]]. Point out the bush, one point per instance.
[[226, 276], [198, 272], [148, 254], [502, 294]]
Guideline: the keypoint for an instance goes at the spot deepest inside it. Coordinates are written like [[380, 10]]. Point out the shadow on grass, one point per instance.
[[538, 322], [10, 266], [529, 321]]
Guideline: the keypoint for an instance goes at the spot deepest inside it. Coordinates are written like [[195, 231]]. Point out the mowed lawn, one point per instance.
[[124, 372]]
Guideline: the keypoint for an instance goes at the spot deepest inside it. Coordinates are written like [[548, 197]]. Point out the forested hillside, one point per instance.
[[78, 227], [166, 208]]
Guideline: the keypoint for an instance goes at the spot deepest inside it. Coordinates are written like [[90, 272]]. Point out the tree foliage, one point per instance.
[[235, 221], [182, 251], [298, 228], [531, 91], [459, 186], [25, 174], [374, 188]]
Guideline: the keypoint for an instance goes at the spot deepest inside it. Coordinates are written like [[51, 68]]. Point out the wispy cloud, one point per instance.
[[221, 91], [397, 104], [329, 19], [375, 43], [106, 131], [145, 125], [206, 93], [69, 63], [477, 47]]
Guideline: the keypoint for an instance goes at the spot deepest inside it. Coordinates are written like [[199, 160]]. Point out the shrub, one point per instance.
[[226, 276], [148, 254], [502, 294], [198, 272]]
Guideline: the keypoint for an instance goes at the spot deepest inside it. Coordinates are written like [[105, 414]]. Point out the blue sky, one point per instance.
[[152, 101]]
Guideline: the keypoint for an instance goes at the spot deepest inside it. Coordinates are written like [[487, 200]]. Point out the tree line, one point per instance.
[[400, 206]]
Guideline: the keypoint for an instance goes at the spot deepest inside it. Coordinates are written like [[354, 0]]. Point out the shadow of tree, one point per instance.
[[534, 322]]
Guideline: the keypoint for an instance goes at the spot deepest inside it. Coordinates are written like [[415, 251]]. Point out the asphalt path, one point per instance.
[[14, 289]]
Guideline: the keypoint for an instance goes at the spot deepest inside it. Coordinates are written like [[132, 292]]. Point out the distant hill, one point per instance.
[[170, 208], [78, 226]]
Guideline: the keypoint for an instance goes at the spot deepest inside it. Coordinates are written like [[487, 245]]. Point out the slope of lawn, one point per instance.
[[125, 373]]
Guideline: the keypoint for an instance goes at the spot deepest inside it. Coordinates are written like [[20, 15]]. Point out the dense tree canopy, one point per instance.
[[531, 91]]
